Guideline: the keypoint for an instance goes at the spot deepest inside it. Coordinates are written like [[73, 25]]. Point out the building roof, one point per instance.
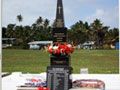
[[89, 43], [41, 42], [8, 38]]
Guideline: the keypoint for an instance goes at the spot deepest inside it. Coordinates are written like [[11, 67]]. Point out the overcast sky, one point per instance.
[[74, 10]]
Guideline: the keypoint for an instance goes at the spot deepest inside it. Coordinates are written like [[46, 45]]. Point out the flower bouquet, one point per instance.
[[60, 49]]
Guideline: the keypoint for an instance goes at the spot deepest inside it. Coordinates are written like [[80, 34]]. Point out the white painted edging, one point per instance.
[[112, 81]]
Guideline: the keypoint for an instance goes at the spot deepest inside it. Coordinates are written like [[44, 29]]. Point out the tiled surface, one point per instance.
[[11, 82]]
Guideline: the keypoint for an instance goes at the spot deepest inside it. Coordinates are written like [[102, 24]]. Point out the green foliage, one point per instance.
[[40, 30], [79, 32], [106, 46], [4, 32], [36, 61], [19, 18], [10, 31]]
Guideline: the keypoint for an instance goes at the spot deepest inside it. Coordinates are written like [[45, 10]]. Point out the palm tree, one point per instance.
[[97, 25], [77, 33], [10, 30], [98, 32], [19, 18], [39, 21], [106, 32], [87, 31], [46, 23]]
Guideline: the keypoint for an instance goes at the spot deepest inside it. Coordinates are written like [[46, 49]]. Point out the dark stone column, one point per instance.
[[58, 73]]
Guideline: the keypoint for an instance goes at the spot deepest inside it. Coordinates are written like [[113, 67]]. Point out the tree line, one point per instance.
[[41, 30], [82, 32]]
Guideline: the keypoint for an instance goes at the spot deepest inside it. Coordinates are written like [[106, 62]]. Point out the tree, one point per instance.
[[19, 18], [39, 21], [41, 29], [115, 32], [77, 33], [19, 34], [22, 36], [4, 30], [10, 31], [26, 36], [46, 23], [87, 32], [106, 32], [98, 32]]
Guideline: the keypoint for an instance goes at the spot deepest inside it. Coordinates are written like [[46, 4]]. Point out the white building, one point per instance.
[[39, 44], [7, 42], [88, 45]]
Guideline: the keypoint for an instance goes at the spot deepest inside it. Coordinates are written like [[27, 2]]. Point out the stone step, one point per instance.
[[27, 88]]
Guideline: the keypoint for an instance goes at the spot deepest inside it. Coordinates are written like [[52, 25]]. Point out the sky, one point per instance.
[[74, 10]]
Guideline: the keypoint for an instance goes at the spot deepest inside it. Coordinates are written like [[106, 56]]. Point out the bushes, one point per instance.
[[106, 46]]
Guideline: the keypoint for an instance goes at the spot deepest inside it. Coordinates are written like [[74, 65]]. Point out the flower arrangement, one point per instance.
[[60, 49], [89, 83]]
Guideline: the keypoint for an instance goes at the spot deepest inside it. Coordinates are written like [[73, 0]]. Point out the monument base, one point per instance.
[[59, 34], [58, 77], [61, 60]]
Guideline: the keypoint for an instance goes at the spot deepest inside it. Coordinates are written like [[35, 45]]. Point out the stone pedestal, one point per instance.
[[61, 60], [59, 34], [58, 73], [58, 77]]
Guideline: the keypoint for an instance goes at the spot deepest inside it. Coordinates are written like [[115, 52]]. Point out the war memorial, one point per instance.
[[59, 73], [60, 69]]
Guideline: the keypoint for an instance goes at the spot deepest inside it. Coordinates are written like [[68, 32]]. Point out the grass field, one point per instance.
[[36, 61]]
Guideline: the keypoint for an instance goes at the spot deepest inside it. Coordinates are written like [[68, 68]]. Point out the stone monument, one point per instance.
[[58, 73], [59, 32]]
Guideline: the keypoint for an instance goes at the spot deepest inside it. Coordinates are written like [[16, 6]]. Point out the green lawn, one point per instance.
[[36, 61]]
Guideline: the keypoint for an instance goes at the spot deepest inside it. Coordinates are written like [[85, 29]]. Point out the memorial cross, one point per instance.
[[59, 8]]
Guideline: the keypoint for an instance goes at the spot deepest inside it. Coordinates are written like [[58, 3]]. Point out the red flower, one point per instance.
[[50, 50], [61, 49], [57, 51]]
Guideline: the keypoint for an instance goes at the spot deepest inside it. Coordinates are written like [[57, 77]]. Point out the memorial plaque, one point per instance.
[[59, 34], [58, 78], [59, 23], [62, 60]]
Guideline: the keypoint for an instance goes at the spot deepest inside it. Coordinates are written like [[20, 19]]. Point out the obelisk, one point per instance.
[[59, 71], [59, 22], [59, 32]]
